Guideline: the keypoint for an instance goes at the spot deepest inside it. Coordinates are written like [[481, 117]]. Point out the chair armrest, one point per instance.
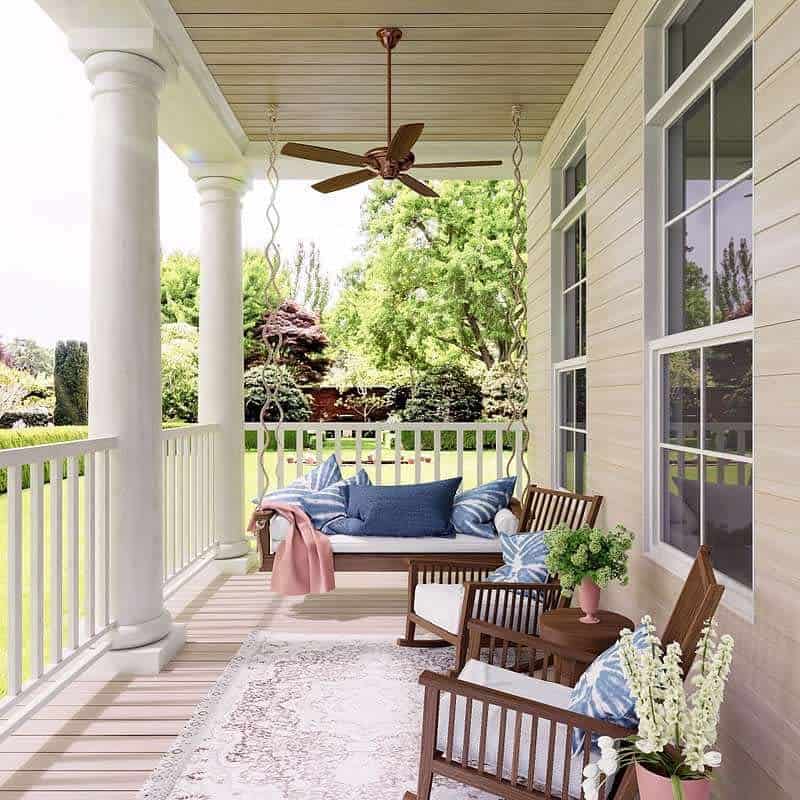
[[441, 743]]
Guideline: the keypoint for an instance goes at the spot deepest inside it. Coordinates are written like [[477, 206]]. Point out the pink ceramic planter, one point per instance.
[[589, 598], [657, 787]]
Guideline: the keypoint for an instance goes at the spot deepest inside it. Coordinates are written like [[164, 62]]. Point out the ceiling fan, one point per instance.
[[391, 162]]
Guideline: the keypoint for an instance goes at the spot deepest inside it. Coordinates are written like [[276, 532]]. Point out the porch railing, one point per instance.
[[394, 452], [57, 557], [188, 473]]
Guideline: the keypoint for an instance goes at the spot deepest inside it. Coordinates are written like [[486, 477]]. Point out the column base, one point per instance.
[[149, 659], [235, 566], [236, 549]]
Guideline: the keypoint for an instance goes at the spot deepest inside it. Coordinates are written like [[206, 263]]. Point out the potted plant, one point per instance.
[[672, 751], [589, 558]]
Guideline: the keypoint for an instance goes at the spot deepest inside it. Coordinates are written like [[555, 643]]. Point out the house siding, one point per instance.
[[759, 734]]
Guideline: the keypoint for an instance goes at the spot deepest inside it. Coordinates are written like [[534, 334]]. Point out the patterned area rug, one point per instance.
[[315, 719]]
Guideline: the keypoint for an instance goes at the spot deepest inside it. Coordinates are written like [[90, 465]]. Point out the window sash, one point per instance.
[[701, 339]]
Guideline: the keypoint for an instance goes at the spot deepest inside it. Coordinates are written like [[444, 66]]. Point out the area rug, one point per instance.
[[317, 719]]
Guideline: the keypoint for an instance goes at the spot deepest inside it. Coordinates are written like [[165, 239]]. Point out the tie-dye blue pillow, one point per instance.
[[329, 504], [602, 691], [474, 510], [523, 559]]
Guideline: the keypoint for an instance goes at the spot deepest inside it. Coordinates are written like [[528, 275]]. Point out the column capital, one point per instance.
[[146, 43], [220, 175]]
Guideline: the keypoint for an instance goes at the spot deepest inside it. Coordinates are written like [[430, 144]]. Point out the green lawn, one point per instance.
[[448, 468]]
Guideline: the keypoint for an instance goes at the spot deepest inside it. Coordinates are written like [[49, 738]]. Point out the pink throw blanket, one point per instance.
[[304, 560]]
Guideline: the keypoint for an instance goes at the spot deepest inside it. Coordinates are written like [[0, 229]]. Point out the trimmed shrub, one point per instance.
[[71, 375], [295, 404], [449, 440], [33, 417], [444, 394], [289, 441], [28, 437]]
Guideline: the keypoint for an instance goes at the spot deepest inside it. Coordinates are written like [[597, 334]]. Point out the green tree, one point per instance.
[[71, 377], [444, 394], [434, 284], [180, 344]]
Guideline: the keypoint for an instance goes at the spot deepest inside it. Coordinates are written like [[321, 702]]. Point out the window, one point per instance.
[[709, 204], [692, 29], [699, 237], [569, 371], [706, 454]]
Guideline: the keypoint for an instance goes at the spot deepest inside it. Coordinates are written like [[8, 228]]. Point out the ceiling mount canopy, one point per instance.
[[390, 162]]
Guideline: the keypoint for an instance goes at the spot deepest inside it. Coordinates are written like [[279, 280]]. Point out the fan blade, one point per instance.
[[405, 137], [344, 181], [418, 186], [311, 152], [445, 164]]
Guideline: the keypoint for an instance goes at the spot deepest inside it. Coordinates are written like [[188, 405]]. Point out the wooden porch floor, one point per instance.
[[102, 738]]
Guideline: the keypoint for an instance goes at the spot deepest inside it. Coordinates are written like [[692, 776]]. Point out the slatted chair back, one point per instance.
[[697, 602], [543, 509]]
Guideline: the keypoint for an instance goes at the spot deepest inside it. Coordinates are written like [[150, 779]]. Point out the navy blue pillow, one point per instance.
[[421, 509]]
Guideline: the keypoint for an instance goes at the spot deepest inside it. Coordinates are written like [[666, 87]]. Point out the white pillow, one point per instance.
[[506, 521]]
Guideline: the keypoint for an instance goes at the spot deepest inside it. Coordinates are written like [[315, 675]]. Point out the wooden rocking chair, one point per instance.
[[444, 594], [503, 726]]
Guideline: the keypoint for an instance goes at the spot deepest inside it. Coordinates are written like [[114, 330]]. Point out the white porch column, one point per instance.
[[124, 341], [221, 355]]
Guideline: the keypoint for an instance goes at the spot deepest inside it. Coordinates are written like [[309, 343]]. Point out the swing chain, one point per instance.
[[272, 256], [518, 312]]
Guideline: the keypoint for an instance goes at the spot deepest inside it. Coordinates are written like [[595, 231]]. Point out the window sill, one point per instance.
[[737, 599]]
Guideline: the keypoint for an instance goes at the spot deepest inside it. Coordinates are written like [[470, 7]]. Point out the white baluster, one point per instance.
[[14, 600], [56, 560], [37, 570], [479, 453], [73, 555], [417, 455], [398, 443], [437, 454], [88, 541], [259, 450]]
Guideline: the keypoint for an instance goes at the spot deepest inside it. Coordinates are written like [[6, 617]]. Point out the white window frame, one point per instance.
[[563, 218], [663, 107]]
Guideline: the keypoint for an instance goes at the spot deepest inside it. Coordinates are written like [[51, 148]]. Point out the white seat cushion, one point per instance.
[[341, 543], [440, 603], [504, 680]]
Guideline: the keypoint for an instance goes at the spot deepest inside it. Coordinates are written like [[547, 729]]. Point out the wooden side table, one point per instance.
[[562, 626]]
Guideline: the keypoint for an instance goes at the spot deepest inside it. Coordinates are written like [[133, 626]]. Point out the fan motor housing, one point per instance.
[[386, 167]]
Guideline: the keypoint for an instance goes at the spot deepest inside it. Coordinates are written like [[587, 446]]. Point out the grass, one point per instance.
[[448, 468]]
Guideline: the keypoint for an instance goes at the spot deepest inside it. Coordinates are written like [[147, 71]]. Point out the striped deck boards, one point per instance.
[[101, 738]]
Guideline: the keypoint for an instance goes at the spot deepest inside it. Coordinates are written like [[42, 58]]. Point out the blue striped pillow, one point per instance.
[[474, 510], [321, 477], [330, 503]]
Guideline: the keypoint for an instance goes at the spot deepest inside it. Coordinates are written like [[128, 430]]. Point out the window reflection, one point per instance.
[[681, 500], [733, 121], [729, 516], [689, 267], [729, 398], [681, 401], [689, 157], [733, 269]]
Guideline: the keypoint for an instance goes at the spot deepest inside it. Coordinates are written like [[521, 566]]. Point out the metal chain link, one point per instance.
[[518, 313], [272, 256]]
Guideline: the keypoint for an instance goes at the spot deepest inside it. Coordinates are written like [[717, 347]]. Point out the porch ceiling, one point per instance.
[[459, 67]]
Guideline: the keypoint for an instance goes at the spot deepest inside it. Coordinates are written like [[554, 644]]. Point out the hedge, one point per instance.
[[28, 437], [449, 440], [289, 441]]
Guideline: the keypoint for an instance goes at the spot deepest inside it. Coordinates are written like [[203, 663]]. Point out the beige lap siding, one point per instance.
[[760, 737]]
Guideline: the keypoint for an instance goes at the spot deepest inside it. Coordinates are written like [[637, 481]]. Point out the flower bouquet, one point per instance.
[[590, 558], [672, 749]]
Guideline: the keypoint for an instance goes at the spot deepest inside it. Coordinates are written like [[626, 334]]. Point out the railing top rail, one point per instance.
[[18, 456], [489, 425], [186, 430]]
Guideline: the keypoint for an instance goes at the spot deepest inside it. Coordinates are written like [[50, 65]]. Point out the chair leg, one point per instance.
[[408, 639]]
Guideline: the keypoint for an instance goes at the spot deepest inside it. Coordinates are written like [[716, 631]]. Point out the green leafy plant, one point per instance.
[[293, 401], [71, 383], [588, 553], [444, 394]]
